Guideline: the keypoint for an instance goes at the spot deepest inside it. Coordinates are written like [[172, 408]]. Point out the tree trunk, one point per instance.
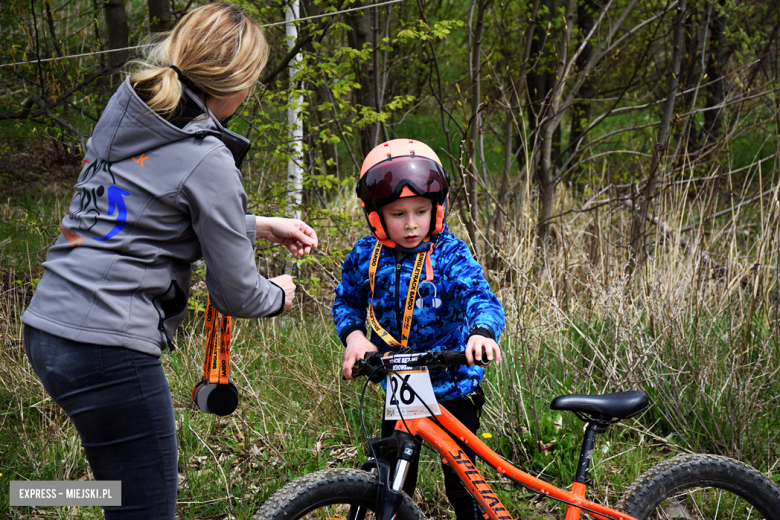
[[329, 153], [159, 15], [580, 117], [647, 198], [96, 25], [717, 56], [509, 132], [362, 34], [538, 81], [539, 84], [294, 119], [550, 130], [472, 192], [513, 140], [116, 23], [52, 32]]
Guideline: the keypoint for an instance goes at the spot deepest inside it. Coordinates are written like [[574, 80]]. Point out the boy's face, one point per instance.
[[408, 220]]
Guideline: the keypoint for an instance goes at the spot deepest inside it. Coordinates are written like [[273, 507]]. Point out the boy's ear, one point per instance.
[[376, 225]]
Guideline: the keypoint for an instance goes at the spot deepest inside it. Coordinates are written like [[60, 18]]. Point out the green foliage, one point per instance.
[[696, 329]]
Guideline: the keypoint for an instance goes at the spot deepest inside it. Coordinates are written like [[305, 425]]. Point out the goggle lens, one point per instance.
[[384, 182]]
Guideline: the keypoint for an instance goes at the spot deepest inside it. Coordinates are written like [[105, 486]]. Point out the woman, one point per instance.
[[159, 189]]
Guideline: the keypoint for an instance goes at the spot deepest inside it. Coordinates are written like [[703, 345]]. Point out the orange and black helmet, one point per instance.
[[402, 168]]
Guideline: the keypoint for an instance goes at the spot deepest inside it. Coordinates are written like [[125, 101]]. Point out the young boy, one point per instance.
[[403, 190]]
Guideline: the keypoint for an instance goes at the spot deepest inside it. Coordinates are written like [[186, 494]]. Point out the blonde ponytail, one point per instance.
[[219, 50]]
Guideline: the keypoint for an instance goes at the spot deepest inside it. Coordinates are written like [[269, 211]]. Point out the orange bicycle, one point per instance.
[[687, 487]]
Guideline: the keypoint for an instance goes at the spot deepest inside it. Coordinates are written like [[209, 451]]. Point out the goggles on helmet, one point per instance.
[[384, 182]]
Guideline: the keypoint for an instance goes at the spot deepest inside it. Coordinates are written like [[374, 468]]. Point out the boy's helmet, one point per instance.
[[402, 168]]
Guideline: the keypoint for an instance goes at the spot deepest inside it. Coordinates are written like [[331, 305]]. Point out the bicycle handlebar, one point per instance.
[[376, 364]]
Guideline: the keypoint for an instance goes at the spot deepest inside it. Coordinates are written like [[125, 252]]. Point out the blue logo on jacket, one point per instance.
[[84, 205], [116, 202]]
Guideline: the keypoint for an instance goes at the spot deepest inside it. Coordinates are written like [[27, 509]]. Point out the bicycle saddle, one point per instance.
[[620, 405]]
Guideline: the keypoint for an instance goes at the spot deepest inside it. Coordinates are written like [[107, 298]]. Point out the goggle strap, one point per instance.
[[428, 265]]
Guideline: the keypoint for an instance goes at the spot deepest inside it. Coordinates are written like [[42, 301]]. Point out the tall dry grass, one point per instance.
[[696, 328]]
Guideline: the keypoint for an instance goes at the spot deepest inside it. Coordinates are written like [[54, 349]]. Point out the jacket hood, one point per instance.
[[129, 127]]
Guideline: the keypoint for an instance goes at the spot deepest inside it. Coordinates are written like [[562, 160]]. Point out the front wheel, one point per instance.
[[330, 494], [699, 487]]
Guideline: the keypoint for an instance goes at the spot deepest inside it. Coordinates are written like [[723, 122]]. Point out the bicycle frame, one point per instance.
[[453, 456]]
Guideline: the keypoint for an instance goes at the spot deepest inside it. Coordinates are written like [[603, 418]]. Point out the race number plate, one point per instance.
[[401, 402]]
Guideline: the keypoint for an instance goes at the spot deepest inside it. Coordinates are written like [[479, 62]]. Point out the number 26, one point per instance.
[[407, 396]]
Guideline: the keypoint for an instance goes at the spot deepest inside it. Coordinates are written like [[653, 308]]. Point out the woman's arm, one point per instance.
[[214, 199]]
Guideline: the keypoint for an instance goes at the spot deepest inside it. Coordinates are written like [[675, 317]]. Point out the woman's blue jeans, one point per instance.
[[121, 405]]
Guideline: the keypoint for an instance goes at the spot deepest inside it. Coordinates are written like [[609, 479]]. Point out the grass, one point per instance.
[[699, 337]]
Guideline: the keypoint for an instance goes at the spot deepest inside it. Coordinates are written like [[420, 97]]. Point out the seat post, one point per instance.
[[581, 480], [586, 453]]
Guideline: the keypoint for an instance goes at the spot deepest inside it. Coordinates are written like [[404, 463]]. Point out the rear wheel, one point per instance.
[[330, 494], [699, 487]]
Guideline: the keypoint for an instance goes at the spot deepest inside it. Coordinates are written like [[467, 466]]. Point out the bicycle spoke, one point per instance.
[[704, 503], [693, 501]]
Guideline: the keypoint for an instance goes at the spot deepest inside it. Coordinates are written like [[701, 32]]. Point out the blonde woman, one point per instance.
[[159, 189]]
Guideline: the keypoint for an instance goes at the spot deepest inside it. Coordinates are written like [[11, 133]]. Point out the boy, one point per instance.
[[403, 190]]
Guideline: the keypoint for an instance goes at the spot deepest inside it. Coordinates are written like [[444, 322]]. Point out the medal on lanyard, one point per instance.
[[215, 393], [414, 282]]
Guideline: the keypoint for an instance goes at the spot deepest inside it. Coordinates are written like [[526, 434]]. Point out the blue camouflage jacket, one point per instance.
[[456, 304]]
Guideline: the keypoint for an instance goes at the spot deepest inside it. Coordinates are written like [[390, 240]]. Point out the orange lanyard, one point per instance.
[[216, 363], [419, 262]]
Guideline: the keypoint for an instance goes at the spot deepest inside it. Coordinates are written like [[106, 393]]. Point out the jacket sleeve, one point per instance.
[[483, 310], [350, 306], [215, 199], [251, 228]]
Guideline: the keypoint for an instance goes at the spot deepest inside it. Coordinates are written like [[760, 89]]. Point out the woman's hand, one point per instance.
[[295, 234], [477, 344], [285, 281], [357, 346]]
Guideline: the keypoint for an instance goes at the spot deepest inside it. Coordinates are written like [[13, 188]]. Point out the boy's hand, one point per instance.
[[477, 344], [357, 346]]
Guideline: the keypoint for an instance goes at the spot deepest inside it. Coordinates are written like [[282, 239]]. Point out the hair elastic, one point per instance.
[[178, 72]]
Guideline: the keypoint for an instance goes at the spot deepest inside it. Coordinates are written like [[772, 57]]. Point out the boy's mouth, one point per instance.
[[411, 238]]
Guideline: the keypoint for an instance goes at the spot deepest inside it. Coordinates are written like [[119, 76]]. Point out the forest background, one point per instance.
[[614, 169]]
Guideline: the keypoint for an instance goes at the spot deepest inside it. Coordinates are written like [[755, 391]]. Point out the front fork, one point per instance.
[[389, 483]]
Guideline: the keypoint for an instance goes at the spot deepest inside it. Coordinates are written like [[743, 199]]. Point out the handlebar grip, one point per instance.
[[459, 358], [371, 358]]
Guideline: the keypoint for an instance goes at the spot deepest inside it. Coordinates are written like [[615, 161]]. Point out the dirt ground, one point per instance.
[[30, 167]]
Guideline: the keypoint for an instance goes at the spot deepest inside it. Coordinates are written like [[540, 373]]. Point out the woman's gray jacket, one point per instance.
[[150, 200]]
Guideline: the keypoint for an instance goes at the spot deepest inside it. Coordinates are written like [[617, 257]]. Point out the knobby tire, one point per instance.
[[327, 494], [694, 487]]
